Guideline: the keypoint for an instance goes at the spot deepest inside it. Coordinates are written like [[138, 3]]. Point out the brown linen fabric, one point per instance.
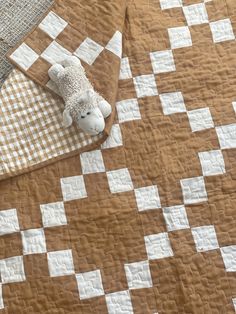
[[146, 223]]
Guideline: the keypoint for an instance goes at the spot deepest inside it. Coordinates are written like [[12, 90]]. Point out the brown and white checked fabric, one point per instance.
[[31, 126], [146, 222]]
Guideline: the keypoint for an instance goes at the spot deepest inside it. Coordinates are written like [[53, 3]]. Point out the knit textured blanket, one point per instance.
[[144, 221]]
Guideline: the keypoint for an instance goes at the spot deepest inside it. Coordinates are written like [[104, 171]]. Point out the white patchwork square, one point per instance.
[[180, 37], [90, 284], [88, 51], [200, 119], [147, 198], [60, 263], [24, 56], [53, 24], [172, 103], [196, 14], [145, 85], [175, 217], [168, 4], [212, 162], [114, 139], [205, 238], [53, 214], [193, 190], [125, 71], [138, 275], [33, 241], [229, 257], [162, 61], [115, 44], [55, 53], [119, 302], [222, 30], [158, 246], [8, 221], [234, 303], [227, 135], [92, 162], [128, 110], [120, 180], [234, 105], [1, 298], [12, 269], [73, 188]]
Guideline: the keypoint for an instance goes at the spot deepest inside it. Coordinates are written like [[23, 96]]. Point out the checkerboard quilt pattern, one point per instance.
[[188, 225]]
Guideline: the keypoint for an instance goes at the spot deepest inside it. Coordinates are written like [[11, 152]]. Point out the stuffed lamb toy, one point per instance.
[[82, 103]]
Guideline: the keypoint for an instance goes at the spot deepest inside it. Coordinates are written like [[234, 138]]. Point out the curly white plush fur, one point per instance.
[[82, 103]]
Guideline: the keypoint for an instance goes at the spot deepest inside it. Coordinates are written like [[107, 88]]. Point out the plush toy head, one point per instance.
[[90, 116]]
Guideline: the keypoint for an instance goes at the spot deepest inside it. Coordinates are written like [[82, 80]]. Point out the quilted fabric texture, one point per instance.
[[144, 223]]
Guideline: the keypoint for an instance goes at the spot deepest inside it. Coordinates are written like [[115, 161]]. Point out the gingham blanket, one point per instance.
[[145, 222]]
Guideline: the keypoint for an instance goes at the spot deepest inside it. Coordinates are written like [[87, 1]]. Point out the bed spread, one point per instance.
[[144, 223]]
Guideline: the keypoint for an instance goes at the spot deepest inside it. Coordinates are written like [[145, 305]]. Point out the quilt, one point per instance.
[[144, 221]]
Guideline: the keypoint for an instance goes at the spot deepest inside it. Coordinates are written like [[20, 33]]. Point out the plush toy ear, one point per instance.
[[105, 108], [67, 120]]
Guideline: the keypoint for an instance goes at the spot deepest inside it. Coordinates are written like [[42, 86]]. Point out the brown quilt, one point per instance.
[[144, 223]]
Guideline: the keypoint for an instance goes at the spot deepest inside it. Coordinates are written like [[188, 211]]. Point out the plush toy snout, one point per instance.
[[91, 121]]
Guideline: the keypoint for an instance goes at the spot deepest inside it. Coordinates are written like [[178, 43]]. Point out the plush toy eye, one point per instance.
[[88, 113], [82, 117]]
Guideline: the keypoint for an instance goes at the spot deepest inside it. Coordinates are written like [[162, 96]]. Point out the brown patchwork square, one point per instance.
[[38, 40]]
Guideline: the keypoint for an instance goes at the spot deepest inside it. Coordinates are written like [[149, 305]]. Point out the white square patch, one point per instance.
[[53, 214], [193, 190], [12, 269], [60, 263], [147, 198], [55, 53], [33, 241], [53, 24], [200, 119], [205, 238], [168, 4], [162, 61], [196, 14], [1, 298], [90, 284], [222, 30], [234, 105], [172, 103], [176, 218], [145, 85], [125, 71], [229, 257], [227, 135], [212, 162], [88, 51], [92, 162], [115, 44], [119, 302], [158, 246], [120, 180], [114, 139], [234, 303], [24, 56], [138, 275], [128, 110], [180, 37], [8, 221], [73, 188]]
